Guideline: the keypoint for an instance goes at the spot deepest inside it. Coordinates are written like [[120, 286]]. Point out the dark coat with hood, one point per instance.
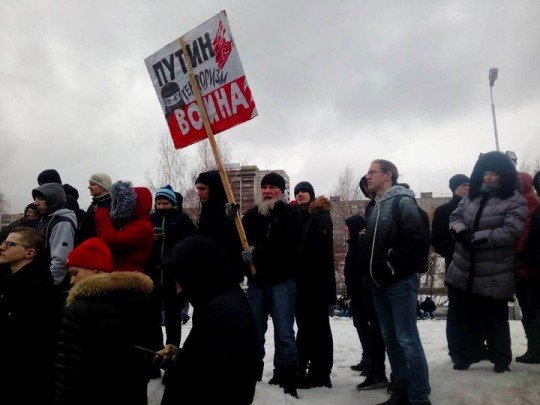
[[126, 228], [533, 241], [353, 276], [58, 226], [441, 238], [525, 268], [316, 275], [214, 224], [97, 362], [394, 251], [28, 312], [494, 220], [276, 235], [218, 361], [21, 222]]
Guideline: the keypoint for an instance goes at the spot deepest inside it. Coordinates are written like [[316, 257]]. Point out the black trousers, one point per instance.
[[361, 324], [314, 337], [166, 310], [475, 318]]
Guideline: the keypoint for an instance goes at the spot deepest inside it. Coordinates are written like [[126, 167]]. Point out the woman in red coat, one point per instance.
[[126, 228]]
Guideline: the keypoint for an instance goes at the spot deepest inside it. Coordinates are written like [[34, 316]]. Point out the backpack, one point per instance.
[[396, 215]]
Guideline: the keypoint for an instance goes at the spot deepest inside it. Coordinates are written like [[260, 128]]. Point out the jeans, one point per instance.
[[396, 308], [278, 301]]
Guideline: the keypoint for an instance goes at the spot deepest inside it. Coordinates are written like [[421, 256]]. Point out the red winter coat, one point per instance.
[[524, 270], [132, 244]]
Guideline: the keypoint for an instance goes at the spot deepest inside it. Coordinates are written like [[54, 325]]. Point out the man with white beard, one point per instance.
[[274, 232]]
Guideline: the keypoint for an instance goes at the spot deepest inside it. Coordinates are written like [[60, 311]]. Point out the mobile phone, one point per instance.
[[158, 230]]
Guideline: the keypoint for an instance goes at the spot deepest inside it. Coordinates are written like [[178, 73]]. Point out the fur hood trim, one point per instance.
[[104, 283], [123, 202], [321, 204]]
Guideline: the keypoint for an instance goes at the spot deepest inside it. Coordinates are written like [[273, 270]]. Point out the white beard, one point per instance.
[[265, 207]]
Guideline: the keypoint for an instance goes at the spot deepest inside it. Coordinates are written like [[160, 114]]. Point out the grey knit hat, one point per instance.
[[101, 179]]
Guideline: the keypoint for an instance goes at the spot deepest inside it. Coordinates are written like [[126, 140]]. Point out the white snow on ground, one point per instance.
[[478, 385]]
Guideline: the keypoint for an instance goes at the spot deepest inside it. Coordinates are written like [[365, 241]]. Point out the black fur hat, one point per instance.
[[499, 163]]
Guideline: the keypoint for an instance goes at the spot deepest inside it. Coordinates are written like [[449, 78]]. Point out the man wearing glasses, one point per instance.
[[397, 243], [27, 319]]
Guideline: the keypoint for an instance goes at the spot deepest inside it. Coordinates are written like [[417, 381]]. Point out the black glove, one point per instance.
[[464, 238], [231, 210]]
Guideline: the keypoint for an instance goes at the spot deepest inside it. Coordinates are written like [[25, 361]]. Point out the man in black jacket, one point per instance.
[[171, 226], [441, 239], [28, 314], [216, 221], [218, 362], [443, 244], [274, 232], [99, 185], [315, 289]]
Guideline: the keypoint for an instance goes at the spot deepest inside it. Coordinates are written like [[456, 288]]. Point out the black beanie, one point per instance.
[[306, 187], [274, 179], [49, 176], [355, 224], [458, 180]]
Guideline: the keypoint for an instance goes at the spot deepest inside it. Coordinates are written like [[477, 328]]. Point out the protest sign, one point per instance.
[[218, 73]]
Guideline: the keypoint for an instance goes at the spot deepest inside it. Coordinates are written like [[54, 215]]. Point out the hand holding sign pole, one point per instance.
[[215, 149]]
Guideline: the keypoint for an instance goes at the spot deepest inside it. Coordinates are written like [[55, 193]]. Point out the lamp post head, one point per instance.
[[493, 74]]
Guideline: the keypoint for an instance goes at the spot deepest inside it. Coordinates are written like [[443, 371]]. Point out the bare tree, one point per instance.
[[171, 167], [3, 203], [346, 196]]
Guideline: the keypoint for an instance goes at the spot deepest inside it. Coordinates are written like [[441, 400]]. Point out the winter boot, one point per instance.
[[534, 345], [362, 365], [259, 370], [276, 378], [501, 367], [462, 365], [397, 398], [373, 382], [287, 375], [313, 381]]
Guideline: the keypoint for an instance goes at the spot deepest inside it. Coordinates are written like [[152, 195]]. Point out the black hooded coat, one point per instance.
[[214, 224], [218, 361]]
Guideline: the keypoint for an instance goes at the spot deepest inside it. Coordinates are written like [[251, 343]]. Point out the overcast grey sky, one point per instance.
[[336, 83]]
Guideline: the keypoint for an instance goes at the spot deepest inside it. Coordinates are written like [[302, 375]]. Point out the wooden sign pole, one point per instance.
[[213, 145]]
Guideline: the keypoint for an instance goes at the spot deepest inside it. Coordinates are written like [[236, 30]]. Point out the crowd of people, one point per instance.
[[84, 294]]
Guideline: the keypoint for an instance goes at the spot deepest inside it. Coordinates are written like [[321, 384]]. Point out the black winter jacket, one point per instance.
[[28, 328], [316, 275], [97, 362], [218, 361], [441, 238], [533, 242], [276, 238], [87, 228], [394, 253]]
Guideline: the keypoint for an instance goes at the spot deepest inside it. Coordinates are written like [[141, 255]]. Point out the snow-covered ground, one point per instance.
[[478, 385]]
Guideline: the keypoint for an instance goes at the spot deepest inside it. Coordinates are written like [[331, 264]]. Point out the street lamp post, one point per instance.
[[493, 74]]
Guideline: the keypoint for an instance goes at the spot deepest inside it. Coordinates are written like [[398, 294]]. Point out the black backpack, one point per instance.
[[396, 215]]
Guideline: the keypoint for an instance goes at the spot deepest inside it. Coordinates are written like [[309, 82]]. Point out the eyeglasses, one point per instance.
[[9, 244], [372, 172]]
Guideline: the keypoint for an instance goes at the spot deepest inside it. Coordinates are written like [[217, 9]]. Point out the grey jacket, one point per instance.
[[394, 254], [61, 238], [491, 272]]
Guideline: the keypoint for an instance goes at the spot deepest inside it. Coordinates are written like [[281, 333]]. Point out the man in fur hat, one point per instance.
[[274, 232], [316, 289]]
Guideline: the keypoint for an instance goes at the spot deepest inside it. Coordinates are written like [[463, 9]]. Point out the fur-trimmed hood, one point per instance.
[[320, 204], [123, 202], [105, 283]]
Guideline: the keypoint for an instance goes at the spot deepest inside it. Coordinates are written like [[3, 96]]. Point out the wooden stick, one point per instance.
[[213, 145]]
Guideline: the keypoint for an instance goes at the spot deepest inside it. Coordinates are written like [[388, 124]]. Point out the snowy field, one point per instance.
[[478, 385]]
